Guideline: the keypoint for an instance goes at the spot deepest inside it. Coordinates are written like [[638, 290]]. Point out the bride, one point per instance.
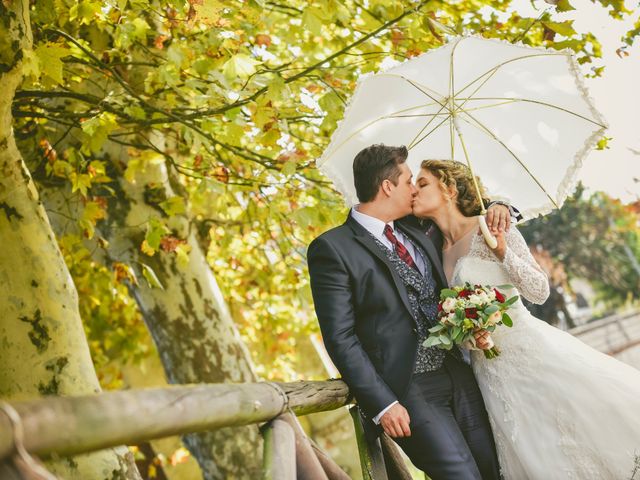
[[558, 408]]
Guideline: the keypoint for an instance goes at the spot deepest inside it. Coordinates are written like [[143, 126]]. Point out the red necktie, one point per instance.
[[400, 249]]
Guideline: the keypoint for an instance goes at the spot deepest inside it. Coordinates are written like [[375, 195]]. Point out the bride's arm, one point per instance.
[[524, 272]]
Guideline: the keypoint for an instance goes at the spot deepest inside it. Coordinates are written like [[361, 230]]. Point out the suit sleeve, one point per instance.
[[331, 289]]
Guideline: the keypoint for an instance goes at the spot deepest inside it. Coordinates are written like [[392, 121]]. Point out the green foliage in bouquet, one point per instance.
[[465, 310]]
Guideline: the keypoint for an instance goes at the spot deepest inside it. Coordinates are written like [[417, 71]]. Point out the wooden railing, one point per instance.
[[62, 426]]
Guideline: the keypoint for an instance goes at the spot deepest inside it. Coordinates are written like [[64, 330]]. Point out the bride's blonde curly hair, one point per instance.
[[458, 176]]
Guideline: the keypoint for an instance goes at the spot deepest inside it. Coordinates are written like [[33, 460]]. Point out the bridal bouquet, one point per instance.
[[465, 310]]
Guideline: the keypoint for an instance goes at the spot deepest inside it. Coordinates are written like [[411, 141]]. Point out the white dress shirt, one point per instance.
[[375, 226]]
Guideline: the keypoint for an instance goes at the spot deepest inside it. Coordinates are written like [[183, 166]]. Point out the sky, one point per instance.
[[616, 95]]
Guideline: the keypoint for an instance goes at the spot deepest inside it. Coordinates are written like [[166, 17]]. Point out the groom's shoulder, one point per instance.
[[334, 239], [334, 235]]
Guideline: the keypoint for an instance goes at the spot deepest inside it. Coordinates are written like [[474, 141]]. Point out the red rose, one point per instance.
[[499, 296], [439, 307], [471, 313], [465, 293]]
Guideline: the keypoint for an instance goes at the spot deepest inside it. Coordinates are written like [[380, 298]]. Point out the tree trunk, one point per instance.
[[43, 349], [195, 336]]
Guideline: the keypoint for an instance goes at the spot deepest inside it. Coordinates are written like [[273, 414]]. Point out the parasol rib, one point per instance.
[[487, 131]]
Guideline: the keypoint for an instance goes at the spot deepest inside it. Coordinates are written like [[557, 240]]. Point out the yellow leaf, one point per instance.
[[146, 249], [151, 277], [209, 11], [182, 253]]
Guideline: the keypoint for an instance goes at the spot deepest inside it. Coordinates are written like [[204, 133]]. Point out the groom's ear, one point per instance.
[[386, 187]]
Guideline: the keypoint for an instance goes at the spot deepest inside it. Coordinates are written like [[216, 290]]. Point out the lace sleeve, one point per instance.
[[524, 272]]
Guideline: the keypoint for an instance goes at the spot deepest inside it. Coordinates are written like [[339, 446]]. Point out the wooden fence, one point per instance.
[[60, 426]]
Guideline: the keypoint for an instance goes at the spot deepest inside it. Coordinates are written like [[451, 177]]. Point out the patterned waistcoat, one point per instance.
[[423, 298]]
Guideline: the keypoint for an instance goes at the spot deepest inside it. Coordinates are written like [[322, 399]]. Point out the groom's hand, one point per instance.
[[395, 422], [498, 218]]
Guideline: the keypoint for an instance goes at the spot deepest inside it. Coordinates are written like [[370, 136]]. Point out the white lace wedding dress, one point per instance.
[[559, 409]]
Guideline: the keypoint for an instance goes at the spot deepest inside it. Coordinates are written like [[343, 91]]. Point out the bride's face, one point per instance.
[[430, 198]]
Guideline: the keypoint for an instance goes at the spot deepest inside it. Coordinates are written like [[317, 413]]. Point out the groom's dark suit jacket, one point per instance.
[[364, 312]]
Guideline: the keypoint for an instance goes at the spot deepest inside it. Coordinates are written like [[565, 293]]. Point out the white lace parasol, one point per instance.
[[520, 116]]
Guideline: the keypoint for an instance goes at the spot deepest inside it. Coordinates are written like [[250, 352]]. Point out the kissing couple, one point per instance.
[[548, 407]]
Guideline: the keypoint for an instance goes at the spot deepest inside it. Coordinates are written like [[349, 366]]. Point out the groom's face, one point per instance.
[[403, 193]]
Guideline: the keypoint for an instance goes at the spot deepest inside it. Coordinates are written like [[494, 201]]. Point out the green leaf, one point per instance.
[[135, 111], [511, 301], [455, 332], [460, 338], [506, 320], [151, 277], [289, 168], [81, 182], [85, 12], [98, 129], [306, 216], [437, 26], [562, 28], [155, 231], [49, 59], [330, 102], [491, 309], [564, 6], [447, 293], [239, 66], [173, 206], [437, 328], [234, 133], [30, 64], [312, 20], [277, 90], [432, 341]]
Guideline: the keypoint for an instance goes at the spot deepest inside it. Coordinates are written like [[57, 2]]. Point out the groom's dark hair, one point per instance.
[[375, 164]]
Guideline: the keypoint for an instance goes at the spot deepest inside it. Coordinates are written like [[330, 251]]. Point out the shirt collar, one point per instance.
[[374, 225]]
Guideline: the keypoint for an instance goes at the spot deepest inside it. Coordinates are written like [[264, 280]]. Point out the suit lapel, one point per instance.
[[423, 241], [363, 236]]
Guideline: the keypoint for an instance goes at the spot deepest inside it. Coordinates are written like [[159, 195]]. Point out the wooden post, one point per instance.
[[279, 451], [393, 460], [371, 458], [308, 466], [331, 468]]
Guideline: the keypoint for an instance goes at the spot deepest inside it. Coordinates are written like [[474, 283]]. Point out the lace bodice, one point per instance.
[[518, 268]]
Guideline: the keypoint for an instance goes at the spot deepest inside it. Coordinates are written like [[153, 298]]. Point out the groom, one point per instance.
[[376, 281]]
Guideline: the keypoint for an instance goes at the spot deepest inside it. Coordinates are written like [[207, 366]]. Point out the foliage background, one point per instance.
[[238, 99]]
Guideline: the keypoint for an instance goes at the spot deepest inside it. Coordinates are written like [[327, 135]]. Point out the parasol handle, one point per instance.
[[490, 239]]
